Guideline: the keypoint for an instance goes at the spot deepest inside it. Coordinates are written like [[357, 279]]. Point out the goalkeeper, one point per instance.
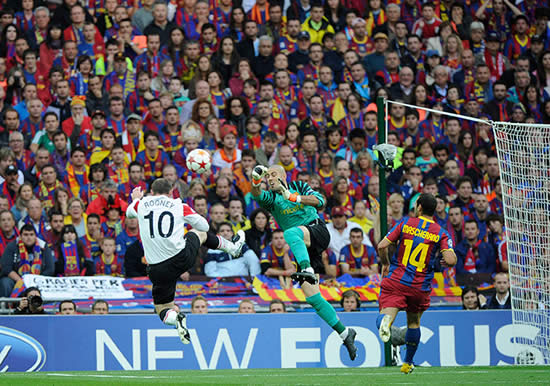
[[294, 207]]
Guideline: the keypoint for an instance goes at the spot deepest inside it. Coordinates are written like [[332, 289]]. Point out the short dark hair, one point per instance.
[[356, 230], [93, 215], [494, 217], [27, 228], [428, 203], [150, 133], [78, 149], [99, 301], [54, 212], [464, 179], [277, 301], [67, 301], [471, 221], [248, 153], [161, 186]]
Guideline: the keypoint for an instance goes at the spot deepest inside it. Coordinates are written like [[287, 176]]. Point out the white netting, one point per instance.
[[524, 160]]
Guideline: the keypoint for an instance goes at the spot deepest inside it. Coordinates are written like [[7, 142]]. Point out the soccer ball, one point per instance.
[[199, 161]]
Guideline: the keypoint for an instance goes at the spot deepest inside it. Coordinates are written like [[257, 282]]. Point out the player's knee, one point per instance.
[[200, 235], [293, 234]]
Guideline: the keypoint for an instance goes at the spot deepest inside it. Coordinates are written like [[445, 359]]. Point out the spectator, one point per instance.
[[100, 307], [276, 258], [474, 255], [221, 264], [246, 307], [67, 307], [8, 232], [109, 262], [472, 299], [135, 264], [497, 239], [340, 229], [350, 301], [277, 306], [27, 254], [357, 258], [108, 197], [501, 299], [259, 235], [72, 259], [199, 305]]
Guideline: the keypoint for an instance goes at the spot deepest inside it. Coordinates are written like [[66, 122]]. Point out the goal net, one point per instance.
[[524, 158], [523, 152]]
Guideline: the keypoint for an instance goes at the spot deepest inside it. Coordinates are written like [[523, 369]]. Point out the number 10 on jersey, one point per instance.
[[160, 227]]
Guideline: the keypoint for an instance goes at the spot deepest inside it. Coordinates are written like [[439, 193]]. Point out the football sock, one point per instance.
[[412, 338], [295, 239], [344, 334], [168, 316], [213, 241], [326, 312], [379, 320]]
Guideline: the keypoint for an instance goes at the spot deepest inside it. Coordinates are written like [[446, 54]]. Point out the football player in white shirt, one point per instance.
[[168, 250]]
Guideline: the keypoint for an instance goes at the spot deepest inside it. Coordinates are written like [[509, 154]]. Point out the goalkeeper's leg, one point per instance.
[[298, 239], [328, 314]]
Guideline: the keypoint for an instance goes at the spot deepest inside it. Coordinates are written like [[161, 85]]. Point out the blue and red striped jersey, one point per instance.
[[419, 242]]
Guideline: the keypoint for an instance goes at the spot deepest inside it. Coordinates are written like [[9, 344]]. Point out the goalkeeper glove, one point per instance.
[[294, 197], [257, 174]]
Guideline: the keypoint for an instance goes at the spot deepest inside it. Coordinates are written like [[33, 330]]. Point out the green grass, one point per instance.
[[507, 375]]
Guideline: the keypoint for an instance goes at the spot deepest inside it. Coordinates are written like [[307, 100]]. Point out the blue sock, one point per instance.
[[379, 320], [412, 338]]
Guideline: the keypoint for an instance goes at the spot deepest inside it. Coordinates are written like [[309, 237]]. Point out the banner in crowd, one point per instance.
[[270, 288], [235, 286], [230, 341], [77, 287]]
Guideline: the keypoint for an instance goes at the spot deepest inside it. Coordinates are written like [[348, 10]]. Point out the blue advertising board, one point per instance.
[[230, 341]]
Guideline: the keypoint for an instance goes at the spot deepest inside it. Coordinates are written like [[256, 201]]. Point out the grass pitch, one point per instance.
[[504, 375]]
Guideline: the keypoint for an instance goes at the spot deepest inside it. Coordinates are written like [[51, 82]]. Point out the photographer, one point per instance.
[[31, 302], [107, 197]]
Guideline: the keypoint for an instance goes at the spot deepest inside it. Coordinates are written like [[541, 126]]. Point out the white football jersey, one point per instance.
[[162, 225]]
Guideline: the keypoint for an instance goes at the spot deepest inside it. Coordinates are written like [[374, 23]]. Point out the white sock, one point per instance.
[[344, 334], [170, 318], [224, 245], [309, 269]]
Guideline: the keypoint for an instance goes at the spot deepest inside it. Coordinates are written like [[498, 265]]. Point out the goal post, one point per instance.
[[523, 152]]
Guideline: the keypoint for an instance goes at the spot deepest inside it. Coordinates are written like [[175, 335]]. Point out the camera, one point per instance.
[[35, 301]]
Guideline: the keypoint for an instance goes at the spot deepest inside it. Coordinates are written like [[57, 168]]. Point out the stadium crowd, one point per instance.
[[100, 96]]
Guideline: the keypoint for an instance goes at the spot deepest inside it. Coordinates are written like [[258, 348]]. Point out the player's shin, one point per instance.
[[327, 313], [295, 240], [412, 338], [168, 316]]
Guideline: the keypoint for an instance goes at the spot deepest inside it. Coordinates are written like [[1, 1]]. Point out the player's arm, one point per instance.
[[194, 219], [449, 258], [448, 254], [137, 194], [306, 195], [383, 251], [384, 245], [258, 174]]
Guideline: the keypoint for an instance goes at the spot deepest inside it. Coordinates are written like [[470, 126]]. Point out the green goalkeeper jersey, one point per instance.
[[290, 214]]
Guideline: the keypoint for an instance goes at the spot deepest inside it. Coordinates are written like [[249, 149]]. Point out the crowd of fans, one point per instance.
[[100, 96]]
